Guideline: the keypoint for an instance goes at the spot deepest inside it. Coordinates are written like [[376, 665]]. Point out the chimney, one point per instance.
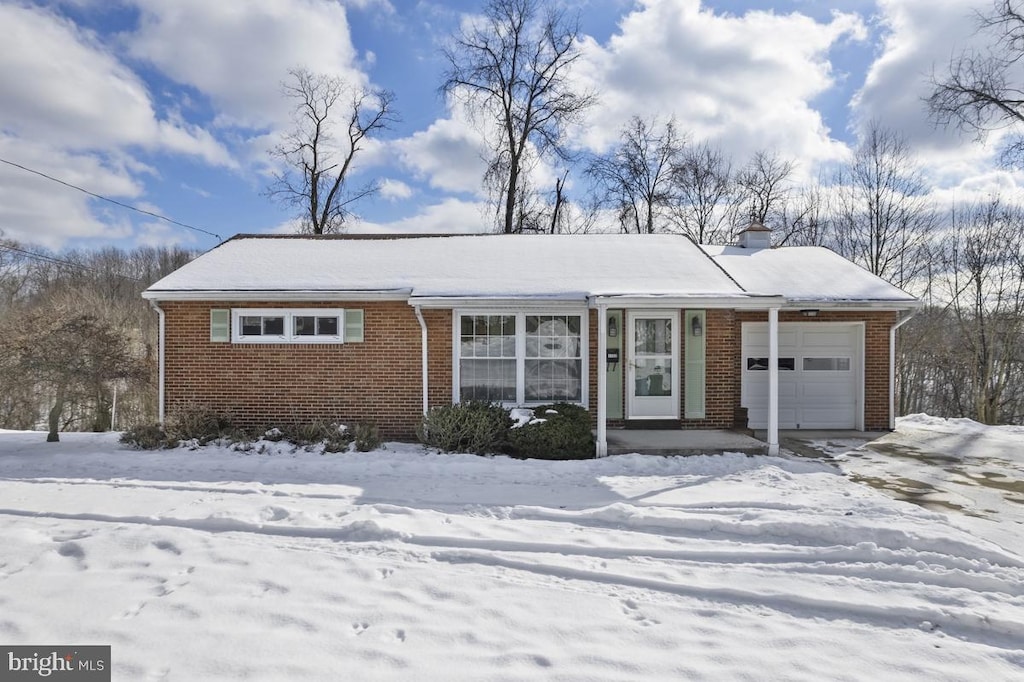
[[756, 236]]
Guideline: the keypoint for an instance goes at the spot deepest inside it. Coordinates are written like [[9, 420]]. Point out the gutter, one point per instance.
[[423, 344], [275, 295], [892, 364], [160, 354]]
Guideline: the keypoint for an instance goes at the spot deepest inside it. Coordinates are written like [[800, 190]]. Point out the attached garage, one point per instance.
[[821, 375]]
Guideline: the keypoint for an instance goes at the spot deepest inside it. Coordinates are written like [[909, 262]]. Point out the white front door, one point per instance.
[[653, 379]]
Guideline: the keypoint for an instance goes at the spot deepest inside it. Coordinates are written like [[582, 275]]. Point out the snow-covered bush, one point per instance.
[[366, 436], [198, 423], [559, 431], [473, 426], [335, 437], [147, 437]]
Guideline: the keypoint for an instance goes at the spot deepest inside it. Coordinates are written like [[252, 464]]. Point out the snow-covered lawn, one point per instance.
[[400, 564]]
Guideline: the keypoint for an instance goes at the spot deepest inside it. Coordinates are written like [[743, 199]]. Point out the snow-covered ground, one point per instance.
[[400, 564], [972, 471]]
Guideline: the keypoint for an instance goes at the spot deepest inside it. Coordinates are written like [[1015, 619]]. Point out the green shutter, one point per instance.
[[696, 365], [220, 325], [353, 326]]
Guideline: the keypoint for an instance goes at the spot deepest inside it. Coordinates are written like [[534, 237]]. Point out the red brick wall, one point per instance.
[[268, 384], [380, 378], [876, 355]]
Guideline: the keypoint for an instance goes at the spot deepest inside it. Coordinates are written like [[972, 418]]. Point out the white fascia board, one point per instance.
[[289, 295], [485, 303], [854, 306], [695, 301]]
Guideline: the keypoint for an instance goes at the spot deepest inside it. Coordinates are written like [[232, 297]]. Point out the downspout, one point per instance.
[[773, 381], [602, 381], [160, 355], [423, 350], [892, 365]]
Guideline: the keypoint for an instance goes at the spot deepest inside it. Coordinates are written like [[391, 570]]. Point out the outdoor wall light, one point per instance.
[[695, 327], [809, 313], [613, 327]]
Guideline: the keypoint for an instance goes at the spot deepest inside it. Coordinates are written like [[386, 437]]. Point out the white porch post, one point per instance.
[[602, 381], [773, 381]]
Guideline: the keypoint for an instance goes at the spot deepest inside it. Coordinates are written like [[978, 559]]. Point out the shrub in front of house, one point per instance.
[[473, 426], [198, 423], [366, 436], [334, 437], [558, 431], [147, 437]]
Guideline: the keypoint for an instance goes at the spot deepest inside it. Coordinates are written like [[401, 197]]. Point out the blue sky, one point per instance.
[[171, 105]]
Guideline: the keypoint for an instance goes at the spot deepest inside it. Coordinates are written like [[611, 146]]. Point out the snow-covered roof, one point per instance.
[[484, 266], [804, 274], [552, 267]]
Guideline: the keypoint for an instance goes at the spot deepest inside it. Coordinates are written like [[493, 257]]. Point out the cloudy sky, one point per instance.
[[171, 105]]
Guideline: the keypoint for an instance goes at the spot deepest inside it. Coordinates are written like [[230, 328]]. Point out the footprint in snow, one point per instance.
[[360, 628], [632, 609], [166, 546]]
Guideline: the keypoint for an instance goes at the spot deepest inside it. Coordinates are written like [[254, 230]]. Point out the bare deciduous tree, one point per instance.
[[332, 119], [805, 219], [703, 181], [511, 68], [762, 189], [981, 90], [68, 352], [883, 215], [985, 269], [635, 178]]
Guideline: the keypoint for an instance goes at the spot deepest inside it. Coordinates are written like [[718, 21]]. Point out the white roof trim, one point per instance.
[[797, 304], [277, 295], [686, 301], [481, 302]]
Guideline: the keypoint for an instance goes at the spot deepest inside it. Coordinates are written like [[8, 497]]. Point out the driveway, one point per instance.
[[972, 472]]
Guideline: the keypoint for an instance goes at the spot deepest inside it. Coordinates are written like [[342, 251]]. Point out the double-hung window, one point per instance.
[[296, 325], [520, 357]]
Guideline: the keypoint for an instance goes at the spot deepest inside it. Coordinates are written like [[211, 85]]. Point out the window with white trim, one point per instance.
[[520, 357], [296, 325], [826, 364], [553, 359]]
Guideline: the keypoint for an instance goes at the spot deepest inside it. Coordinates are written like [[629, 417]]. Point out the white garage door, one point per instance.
[[819, 374]]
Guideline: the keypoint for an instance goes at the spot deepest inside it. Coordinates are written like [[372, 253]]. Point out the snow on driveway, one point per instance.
[[400, 564], [972, 471]]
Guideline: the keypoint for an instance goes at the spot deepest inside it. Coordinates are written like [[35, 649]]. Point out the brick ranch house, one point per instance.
[[640, 329]]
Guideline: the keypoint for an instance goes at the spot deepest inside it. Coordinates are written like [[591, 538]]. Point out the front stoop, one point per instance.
[[681, 442], [653, 424]]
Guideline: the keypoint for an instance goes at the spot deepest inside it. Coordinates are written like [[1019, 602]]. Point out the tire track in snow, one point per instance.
[[962, 623], [859, 561]]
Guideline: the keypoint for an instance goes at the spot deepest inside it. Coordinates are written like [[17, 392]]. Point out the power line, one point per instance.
[[60, 261], [113, 201]]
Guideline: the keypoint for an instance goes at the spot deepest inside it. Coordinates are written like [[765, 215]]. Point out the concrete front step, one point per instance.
[[681, 442]]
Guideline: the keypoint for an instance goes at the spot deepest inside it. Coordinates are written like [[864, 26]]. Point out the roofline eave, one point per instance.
[[276, 295]]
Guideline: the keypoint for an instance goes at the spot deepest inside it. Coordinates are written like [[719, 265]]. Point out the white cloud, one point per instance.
[[238, 53], [162, 234], [449, 154], [40, 211], [450, 216], [57, 83], [743, 81], [394, 190], [921, 37]]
